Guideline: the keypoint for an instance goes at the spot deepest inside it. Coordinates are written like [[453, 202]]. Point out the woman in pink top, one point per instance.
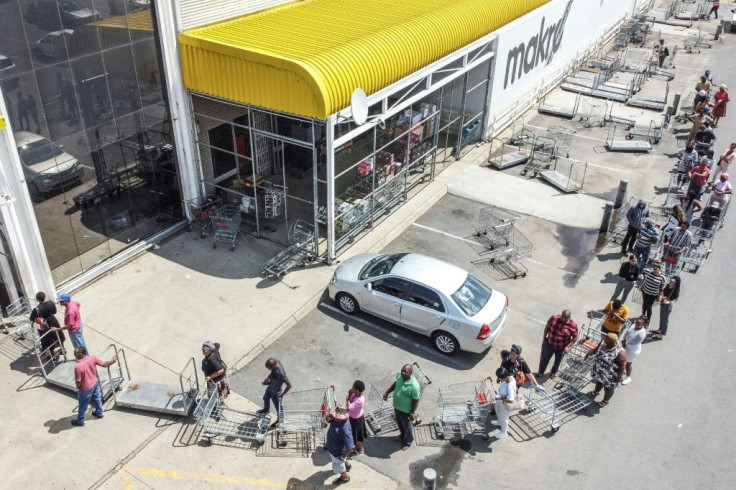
[[355, 402], [722, 100], [724, 161]]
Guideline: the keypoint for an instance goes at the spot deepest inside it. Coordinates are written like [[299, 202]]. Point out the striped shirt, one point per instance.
[[653, 284], [681, 239]]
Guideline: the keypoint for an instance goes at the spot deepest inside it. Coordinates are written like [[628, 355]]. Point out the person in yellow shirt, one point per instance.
[[616, 315]]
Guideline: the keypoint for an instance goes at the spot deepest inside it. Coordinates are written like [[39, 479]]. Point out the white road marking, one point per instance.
[[450, 235]]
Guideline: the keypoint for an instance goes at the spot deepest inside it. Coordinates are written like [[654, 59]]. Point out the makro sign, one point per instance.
[[539, 49]]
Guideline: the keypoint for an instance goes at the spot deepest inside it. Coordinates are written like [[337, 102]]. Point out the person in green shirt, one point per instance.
[[406, 398]]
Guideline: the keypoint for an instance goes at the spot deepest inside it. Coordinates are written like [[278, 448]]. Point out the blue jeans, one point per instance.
[[268, 397], [84, 398], [78, 340], [642, 254]]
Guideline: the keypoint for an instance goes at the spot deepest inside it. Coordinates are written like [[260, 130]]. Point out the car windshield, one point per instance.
[[472, 296], [38, 151], [380, 265]]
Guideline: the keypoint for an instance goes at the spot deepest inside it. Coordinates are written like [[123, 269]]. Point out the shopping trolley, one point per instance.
[[556, 407], [464, 408], [299, 252], [698, 252], [596, 324], [226, 223], [593, 112], [217, 419], [18, 316], [496, 225], [576, 372], [200, 212], [542, 156], [302, 416], [509, 259], [379, 414], [562, 137]]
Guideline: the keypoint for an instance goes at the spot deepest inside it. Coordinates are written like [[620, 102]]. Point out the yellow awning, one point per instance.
[[307, 57]]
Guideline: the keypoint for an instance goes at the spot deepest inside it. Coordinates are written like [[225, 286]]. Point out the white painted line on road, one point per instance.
[[393, 334], [435, 230]]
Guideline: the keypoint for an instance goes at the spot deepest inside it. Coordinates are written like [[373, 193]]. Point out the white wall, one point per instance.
[[586, 21], [195, 13]]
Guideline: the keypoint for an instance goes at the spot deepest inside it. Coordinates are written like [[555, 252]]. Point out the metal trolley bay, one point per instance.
[[217, 419], [302, 417], [464, 408], [300, 251], [379, 413], [556, 407]]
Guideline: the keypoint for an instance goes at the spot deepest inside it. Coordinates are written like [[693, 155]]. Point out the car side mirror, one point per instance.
[[369, 287]]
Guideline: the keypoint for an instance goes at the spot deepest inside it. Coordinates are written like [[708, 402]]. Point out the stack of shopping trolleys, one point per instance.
[[498, 240]]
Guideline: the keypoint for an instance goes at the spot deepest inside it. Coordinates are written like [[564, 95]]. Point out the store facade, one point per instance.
[[275, 127], [84, 94]]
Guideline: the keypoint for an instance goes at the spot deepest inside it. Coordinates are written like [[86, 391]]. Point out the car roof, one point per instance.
[[435, 273], [24, 137]]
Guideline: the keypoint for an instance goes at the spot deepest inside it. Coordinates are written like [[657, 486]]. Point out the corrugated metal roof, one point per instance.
[[306, 58], [195, 13]]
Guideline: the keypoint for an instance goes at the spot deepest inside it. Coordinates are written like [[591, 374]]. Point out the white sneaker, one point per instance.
[[495, 422], [501, 435], [626, 381]]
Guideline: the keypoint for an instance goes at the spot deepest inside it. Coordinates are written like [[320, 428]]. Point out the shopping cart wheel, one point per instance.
[[555, 429], [232, 247], [523, 172], [214, 245], [486, 437]]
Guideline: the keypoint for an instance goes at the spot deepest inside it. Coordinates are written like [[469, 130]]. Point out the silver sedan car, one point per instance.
[[423, 294]]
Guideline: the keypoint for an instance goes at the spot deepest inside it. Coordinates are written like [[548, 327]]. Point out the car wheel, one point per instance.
[[445, 343], [347, 303]]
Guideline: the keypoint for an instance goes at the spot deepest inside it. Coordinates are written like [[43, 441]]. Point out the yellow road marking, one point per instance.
[[233, 480]]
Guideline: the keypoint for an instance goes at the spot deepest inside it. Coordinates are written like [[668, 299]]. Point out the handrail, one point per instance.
[[36, 339], [196, 376]]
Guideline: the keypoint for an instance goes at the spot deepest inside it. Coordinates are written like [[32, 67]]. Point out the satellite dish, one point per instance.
[[359, 106]]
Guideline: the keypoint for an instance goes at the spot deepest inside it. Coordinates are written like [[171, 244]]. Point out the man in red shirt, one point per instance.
[[559, 336], [72, 321], [88, 388], [698, 178]]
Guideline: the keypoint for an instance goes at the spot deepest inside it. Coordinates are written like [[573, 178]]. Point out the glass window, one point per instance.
[[423, 296], [380, 265], [472, 296], [392, 286]]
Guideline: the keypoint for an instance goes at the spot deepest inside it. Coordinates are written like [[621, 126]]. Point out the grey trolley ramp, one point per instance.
[[379, 413], [505, 154], [624, 145], [568, 178], [59, 370], [558, 110], [300, 251], [464, 408], [161, 398]]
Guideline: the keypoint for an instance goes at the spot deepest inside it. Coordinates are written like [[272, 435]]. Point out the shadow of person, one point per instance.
[[320, 456], [62, 424], [315, 481]]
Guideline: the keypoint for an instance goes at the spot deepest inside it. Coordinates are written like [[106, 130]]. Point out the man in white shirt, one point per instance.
[[722, 191]]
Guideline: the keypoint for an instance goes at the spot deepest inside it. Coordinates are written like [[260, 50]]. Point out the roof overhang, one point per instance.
[[308, 57]]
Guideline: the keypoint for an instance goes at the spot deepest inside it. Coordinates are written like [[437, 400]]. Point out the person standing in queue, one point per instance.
[[88, 386], [512, 361], [215, 370], [355, 401], [406, 392], [274, 384]]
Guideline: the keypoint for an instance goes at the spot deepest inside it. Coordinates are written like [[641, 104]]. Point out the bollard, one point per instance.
[[621, 193], [675, 104], [430, 479], [607, 214], [719, 30]]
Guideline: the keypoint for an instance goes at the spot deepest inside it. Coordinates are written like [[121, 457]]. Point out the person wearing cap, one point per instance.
[[355, 401], [406, 392], [274, 383], [88, 388], [215, 370], [710, 216], [506, 401], [559, 335], [631, 343], [339, 443], [651, 289], [609, 365], [662, 52], [724, 162], [512, 361], [647, 238], [722, 191], [616, 315], [43, 315], [72, 321], [635, 217]]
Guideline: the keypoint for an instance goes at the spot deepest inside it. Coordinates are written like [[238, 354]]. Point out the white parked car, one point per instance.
[[423, 294], [52, 45], [45, 165]]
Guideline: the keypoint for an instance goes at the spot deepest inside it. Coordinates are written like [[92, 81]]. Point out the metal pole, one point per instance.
[[675, 104], [330, 177], [606, 222], [621, 195], [430, 479]]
